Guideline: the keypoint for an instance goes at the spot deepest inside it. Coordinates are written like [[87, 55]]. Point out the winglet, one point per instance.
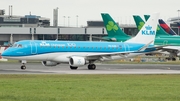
[[147, 32]]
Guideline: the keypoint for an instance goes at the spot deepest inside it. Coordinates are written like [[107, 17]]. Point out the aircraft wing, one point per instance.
[[157, 47], [171, 48], [96, 56]]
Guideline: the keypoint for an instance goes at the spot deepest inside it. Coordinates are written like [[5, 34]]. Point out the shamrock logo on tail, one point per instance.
[[111, 26], [141, 24]]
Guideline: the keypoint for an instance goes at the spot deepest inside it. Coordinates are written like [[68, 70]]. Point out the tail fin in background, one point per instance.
[[139, 23], [112, 27], [160, 30], [178, 24], [148, 31], [166, 27]]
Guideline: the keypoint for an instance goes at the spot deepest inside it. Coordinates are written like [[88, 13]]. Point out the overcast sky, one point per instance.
[[120, 10]]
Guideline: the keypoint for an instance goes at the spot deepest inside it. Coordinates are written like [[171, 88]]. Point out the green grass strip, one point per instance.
[[89, 87]]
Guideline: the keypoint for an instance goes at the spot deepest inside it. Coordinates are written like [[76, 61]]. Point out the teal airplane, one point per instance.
[[160, 41], [80, 53]]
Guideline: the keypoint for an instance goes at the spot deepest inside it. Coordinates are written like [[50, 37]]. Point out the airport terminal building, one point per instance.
[[32, 27]]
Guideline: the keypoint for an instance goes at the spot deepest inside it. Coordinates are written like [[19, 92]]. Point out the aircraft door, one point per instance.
[[126, 47], [33, 47]]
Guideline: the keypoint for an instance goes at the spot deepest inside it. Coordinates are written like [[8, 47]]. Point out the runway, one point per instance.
[[38, 68]]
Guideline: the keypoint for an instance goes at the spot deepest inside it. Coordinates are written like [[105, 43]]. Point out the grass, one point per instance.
[[48, 87]]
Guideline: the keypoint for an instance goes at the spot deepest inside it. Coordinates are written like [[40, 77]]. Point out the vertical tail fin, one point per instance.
[[148, 31], [178, 25], [112, 27], [160, 30], [139, 23], [166, 27]]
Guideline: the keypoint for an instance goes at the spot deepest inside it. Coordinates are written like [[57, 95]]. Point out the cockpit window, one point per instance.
[[19, 45], [15, 45]]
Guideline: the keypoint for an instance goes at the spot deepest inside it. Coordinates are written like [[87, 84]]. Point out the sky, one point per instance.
[[90, 10]]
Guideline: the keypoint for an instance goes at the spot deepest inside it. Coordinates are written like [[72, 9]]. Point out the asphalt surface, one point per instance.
[[38, 68]]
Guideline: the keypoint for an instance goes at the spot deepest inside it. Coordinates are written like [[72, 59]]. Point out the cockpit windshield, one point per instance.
[[14, 45], [17, 45]]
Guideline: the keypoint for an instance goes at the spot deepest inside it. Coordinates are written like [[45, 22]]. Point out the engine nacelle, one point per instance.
[[49, 63], [77, 61]]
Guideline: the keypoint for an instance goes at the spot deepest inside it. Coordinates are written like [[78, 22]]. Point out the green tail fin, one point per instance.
[[139, 23], [112, 27]]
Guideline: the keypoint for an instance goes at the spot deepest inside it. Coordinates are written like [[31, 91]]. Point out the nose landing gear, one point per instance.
[[23, 66]]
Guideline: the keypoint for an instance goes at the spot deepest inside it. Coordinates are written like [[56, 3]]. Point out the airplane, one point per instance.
[[160, 32], [166, 27], [162, 38], [80, 53], [173, 51]]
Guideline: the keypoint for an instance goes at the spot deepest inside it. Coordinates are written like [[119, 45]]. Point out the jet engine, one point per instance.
[[77, 61], [49, 63]]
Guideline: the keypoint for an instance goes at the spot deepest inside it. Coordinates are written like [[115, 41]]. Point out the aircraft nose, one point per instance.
[[5, 53]]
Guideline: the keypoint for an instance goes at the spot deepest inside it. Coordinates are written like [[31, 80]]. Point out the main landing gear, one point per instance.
[[90, 67]]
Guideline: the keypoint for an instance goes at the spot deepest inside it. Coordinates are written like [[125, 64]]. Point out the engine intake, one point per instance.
[[77, 61]]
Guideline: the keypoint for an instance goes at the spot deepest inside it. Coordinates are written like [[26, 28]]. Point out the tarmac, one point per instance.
[[38, 68]]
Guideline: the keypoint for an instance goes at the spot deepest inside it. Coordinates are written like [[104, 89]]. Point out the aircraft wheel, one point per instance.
[[73, 68], [173, 59], [91, 66], [23, 67]]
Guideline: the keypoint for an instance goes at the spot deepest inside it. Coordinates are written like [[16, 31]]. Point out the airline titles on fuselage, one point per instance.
[[45, 44]]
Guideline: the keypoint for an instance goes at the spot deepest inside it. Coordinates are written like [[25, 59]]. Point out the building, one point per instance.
[[31, 27]]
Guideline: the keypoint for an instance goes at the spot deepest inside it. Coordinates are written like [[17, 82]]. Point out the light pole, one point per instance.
[[178, 14], [68, 20], [64, 19], [178, 20], [77, 20]]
